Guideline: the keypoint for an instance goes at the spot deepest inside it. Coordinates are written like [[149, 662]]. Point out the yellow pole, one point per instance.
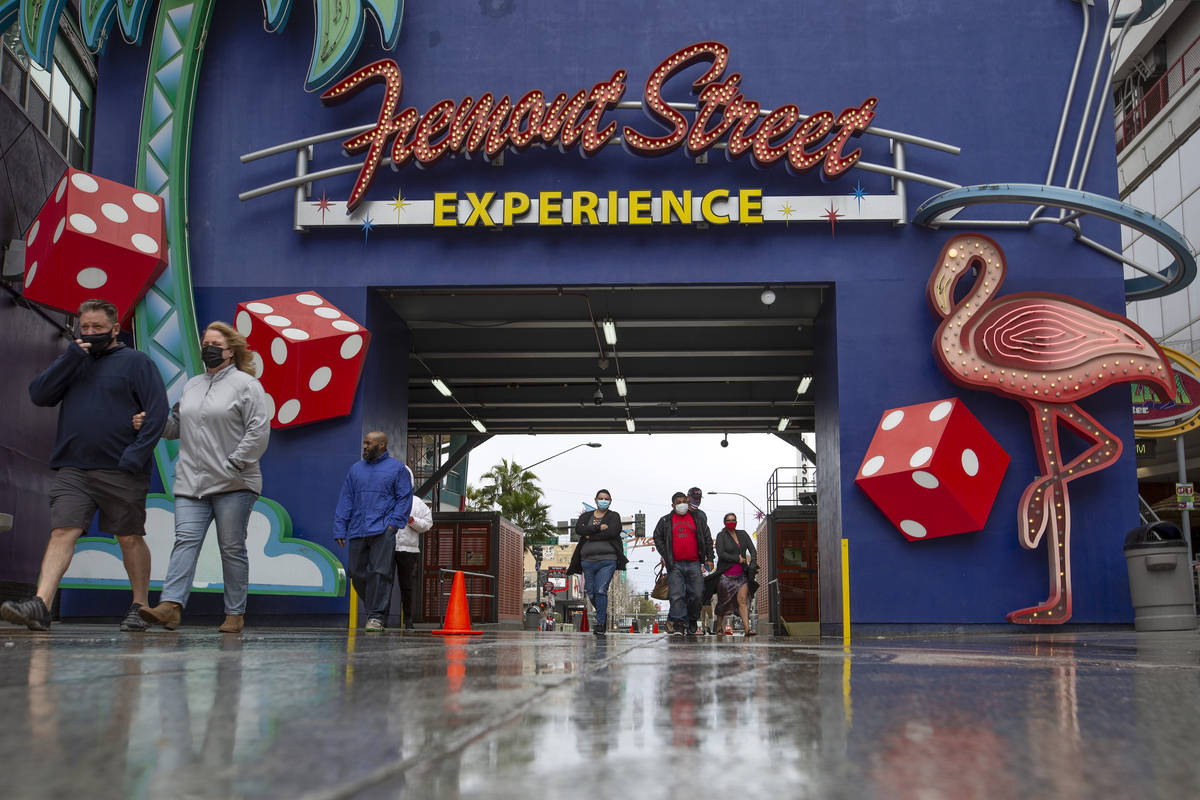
[[354, 606], [845, 592]]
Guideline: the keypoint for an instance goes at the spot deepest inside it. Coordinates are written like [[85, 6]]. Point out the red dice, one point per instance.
[[933, 469], [308, 356], [95, 238]]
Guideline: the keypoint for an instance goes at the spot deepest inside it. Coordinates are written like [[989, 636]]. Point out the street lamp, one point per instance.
[[747, 499], [569, 449]]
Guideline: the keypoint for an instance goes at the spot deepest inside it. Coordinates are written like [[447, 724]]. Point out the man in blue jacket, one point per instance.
[[376, 501], [101, 462]]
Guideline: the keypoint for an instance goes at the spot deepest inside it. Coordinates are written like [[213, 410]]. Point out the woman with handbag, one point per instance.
[[737, 564], [598, 555]]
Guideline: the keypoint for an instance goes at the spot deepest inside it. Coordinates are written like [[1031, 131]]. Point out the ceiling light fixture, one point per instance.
[[610, 330], [479, 425], [629, 426], [783, 423], [767, 297], [805, 382], [621, 388], [441, 386]]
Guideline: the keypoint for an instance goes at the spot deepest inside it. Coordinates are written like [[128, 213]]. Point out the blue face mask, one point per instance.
[[603, 504]]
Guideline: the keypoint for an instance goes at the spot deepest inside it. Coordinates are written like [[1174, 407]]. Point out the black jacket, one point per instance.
[[728, 551], [588, 532], [662, 539]]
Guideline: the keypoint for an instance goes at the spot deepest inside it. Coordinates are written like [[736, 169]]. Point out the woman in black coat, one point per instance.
[[737, 566], [598, 555]]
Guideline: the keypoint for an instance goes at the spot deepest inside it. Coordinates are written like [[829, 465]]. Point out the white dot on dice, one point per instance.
[[940, 410], [84, 183], [277, 321], [29, 275], [320, 379], [344, 325], [295, 333], [351, 346], [925, 479], [256, 363], [309, 299], [259, 308], [913, 528], [970, 462], [920, 457], [245, 323], [62, 223], [114, 212], [62, 187], [270, 405], [145, 202], [144, 243], [289, 411], [892, 420], [33, 230], [327, 312], [873, 465], [83, 223], [92, 277], [278, 350]]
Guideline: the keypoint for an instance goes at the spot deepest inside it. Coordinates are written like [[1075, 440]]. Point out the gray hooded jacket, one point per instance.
[[222, 422]]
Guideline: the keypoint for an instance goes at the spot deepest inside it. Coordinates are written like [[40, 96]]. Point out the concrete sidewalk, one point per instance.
[[91, 712]]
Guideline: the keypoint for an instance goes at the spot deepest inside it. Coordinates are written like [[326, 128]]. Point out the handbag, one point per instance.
[[662, 586]]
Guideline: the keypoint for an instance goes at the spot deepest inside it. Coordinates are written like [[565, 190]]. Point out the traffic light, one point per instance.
[[639, 525], [537, 552]]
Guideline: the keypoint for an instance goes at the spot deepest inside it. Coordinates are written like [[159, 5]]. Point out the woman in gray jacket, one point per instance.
[[222, 421]]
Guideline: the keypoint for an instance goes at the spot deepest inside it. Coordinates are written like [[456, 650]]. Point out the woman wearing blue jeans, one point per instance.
[[598, 555], [223, 422]]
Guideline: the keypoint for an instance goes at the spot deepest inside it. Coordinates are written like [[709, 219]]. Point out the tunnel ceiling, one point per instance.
[[697, 359]]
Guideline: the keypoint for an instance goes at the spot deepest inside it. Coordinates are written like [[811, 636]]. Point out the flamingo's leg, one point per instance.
[[1046, 505]]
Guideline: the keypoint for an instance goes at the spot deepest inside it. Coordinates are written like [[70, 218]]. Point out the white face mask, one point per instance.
[[681, 508]]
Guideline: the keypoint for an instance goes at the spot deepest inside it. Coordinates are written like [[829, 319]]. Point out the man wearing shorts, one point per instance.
[[102, 463]]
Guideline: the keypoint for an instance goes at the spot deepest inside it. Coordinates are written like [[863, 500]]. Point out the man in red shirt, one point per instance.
[[683, 540]]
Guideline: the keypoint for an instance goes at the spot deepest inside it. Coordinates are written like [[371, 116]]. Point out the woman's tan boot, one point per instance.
[[167, 614], [232, 624]]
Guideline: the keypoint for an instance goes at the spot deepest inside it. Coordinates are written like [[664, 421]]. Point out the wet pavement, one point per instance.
[[88, 711]]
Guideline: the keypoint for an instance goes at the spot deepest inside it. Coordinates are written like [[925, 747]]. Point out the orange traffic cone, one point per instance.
[[458, 615], [583, 623], [633, 627], [656, 626]]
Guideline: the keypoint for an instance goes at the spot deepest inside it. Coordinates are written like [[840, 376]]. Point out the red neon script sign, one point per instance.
[[488, 126]]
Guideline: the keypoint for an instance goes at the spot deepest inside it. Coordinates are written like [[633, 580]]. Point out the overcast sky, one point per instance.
[[642, 471]]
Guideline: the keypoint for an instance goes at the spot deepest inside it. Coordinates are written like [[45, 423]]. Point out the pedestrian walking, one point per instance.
[[408, 556], [737, 566], [223, 424], [375, 503], [101, 463], [598, 555], [683, 540]]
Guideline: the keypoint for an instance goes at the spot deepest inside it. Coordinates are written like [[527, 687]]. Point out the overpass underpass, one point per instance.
[[697, 359]]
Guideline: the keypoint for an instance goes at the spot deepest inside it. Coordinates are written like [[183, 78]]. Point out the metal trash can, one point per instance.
[[533, 618], [1160, 578]]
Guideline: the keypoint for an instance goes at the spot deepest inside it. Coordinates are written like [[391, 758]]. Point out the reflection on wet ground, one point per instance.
[[91, 712]]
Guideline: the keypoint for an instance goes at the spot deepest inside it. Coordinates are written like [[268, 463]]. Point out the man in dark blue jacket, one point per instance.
[[101, 462], [376, 501]]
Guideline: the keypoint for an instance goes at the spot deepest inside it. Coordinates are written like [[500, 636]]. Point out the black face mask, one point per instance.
[[210, 354], [99, 342]]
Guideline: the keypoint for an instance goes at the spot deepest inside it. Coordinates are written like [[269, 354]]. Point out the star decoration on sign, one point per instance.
[[787, 211], [323, 205], [366, 228], [858, 193], [832, 215], [399, 203]]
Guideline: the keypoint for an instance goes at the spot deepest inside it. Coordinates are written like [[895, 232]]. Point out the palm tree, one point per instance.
[[513, 490]]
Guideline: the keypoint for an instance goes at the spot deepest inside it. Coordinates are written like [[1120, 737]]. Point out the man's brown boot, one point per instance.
[[232, 624], [166, 613]]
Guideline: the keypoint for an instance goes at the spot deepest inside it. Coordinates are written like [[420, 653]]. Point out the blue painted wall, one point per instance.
[[973, 74]]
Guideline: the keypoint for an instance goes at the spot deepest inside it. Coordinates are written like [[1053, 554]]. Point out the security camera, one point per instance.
[[724, 443], [598, 397]]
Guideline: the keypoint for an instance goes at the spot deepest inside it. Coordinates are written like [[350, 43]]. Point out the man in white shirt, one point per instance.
[[408, 556]]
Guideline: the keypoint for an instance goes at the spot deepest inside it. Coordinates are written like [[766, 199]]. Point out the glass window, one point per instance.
[[58, 132], [41, 78], [12, 77], [76, 114], [60, 92], [35, 107]]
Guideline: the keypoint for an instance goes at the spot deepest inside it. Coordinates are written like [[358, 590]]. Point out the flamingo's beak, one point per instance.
[[941, 291]]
